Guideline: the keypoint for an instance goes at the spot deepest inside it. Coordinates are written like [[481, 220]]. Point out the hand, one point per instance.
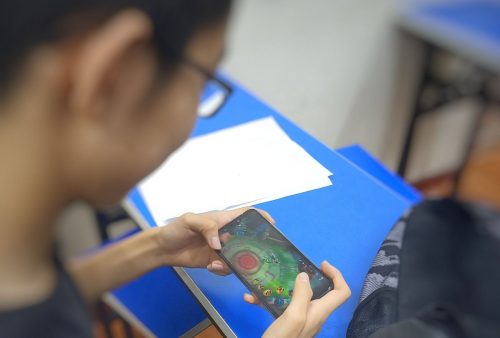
[[191, 240], [303, 317]]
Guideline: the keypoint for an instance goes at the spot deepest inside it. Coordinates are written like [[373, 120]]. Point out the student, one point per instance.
[[94, 96]]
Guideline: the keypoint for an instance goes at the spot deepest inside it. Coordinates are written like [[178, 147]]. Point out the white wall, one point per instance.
[[329, 65]]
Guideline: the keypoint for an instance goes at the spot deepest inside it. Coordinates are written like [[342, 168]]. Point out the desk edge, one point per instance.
[[124, 312]]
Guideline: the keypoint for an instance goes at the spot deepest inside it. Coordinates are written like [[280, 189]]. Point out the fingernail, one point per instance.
[[217, 266], [216, 243], [303, 277]]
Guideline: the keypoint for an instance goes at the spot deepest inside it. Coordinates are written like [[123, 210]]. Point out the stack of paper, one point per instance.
[[243, 165]]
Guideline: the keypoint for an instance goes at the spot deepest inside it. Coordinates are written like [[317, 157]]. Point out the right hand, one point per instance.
[[304, 318]]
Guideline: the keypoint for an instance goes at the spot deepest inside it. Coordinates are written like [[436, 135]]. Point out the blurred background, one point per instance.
[[353, 71], [346, 72]]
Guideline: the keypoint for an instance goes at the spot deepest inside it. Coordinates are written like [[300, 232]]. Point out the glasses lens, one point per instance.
[[213, 97]]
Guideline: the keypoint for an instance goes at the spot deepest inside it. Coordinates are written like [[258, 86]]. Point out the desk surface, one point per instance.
[[470, 29], [344, 223]]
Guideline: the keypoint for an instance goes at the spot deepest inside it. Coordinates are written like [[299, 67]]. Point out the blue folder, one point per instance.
[[344, 223]]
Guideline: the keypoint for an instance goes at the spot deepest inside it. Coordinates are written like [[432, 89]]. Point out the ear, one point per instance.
[[100, 54]]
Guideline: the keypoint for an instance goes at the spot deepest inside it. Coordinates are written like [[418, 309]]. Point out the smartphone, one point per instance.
[[266, 261]]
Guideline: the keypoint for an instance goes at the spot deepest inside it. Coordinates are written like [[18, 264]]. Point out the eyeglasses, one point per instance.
[[216, 92]]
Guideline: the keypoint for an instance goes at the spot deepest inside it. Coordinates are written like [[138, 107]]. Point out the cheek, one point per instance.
[[185, 125], [162, 127], [171, 126], [177, 113], [182, 114], [145, 143]]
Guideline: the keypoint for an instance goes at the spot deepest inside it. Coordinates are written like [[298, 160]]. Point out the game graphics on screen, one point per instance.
[[265, 259]]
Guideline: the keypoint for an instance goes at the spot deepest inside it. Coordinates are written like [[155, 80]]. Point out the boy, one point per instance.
[[94, 96]]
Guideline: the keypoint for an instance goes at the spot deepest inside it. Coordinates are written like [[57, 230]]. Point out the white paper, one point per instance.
[[244, 165]]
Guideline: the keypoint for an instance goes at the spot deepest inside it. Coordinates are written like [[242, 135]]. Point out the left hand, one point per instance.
[[304, 317], [191, 239]]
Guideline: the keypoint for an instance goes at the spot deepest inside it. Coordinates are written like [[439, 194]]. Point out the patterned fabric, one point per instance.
[[428, 278], [385, 268]]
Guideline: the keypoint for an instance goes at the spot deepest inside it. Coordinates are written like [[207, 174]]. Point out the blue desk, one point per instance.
[[469, 29], [344, 223]]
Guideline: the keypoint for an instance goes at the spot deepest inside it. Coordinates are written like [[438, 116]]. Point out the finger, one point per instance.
[[341, 292], [302, 294], [218, 268], [335, 275], [251, 299], [206, 226], [266, 216], [227, 216], [217, 265]]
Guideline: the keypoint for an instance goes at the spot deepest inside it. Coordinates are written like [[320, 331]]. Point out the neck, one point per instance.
[[30, 199]]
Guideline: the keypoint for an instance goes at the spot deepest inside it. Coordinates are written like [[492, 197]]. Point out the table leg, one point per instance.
[[416, 110]]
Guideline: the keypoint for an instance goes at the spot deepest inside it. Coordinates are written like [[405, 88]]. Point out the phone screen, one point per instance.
[[266, 261]]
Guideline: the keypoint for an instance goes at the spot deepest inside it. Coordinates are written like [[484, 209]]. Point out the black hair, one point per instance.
[[25, 24]]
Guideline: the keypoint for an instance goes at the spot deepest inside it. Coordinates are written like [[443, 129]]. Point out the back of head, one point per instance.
[[25, 24]]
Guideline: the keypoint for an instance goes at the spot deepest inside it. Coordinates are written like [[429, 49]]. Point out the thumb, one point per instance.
[[302, 294], [205, 226]]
